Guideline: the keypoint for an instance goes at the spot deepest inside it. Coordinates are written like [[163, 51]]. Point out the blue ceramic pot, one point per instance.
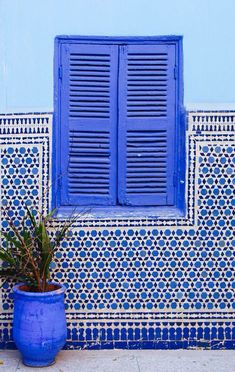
[[39, 325]]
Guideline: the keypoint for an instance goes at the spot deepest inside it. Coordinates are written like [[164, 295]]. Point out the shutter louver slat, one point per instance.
[[146, 125], [82, 75], [142, 74], [90, 94], [88, 154], [140, 156]]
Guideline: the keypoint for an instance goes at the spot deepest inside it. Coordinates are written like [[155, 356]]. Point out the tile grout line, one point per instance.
[[17, 365], [136, 358]]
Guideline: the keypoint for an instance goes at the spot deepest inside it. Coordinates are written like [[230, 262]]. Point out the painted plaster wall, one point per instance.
[[28, 29], [137, 283], [131, 282]]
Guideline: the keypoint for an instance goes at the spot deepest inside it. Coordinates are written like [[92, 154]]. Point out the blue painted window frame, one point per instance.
[[179, 208]]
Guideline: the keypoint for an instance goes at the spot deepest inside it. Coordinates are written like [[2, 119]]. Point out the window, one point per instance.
[[118, 133]]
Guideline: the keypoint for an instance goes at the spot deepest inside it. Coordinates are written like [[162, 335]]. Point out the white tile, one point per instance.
[[186, 361], [130, 361], [90, 361], [98, 361], [9, 360]]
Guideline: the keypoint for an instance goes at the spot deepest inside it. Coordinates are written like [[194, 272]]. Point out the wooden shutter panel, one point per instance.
[[147, 99], [89, 124]]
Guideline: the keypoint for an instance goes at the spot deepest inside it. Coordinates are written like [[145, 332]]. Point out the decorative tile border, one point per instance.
[[138, 282]]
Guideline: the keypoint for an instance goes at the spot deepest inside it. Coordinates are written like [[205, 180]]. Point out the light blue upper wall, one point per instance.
[[28, 28]]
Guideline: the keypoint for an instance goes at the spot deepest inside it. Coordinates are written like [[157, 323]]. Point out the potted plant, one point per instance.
[[39, 323]]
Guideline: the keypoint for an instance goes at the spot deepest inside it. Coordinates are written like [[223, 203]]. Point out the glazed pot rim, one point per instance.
[[17, 290]]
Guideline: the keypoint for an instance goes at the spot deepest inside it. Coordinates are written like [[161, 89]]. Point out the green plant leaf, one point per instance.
[[6, 256], [30, 249], [31, 217], [47, 250], [8, 272], [10, 239], [49, 215]]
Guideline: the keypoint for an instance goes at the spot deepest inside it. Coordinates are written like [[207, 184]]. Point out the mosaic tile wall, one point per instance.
[[137, 282]]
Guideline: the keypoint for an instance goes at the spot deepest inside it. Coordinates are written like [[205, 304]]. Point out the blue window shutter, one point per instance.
[[147, 112], [88, 124]]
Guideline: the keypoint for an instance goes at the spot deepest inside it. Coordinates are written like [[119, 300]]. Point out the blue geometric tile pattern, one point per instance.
[[138, 282], [20, 167]]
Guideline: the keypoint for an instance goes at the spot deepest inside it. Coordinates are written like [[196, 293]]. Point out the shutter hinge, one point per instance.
[[175, 73], [60, 72]]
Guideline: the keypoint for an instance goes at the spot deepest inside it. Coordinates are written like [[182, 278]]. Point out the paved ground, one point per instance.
[[129, 361]]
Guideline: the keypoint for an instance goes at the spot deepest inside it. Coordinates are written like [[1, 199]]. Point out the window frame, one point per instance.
[[98, 212]]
